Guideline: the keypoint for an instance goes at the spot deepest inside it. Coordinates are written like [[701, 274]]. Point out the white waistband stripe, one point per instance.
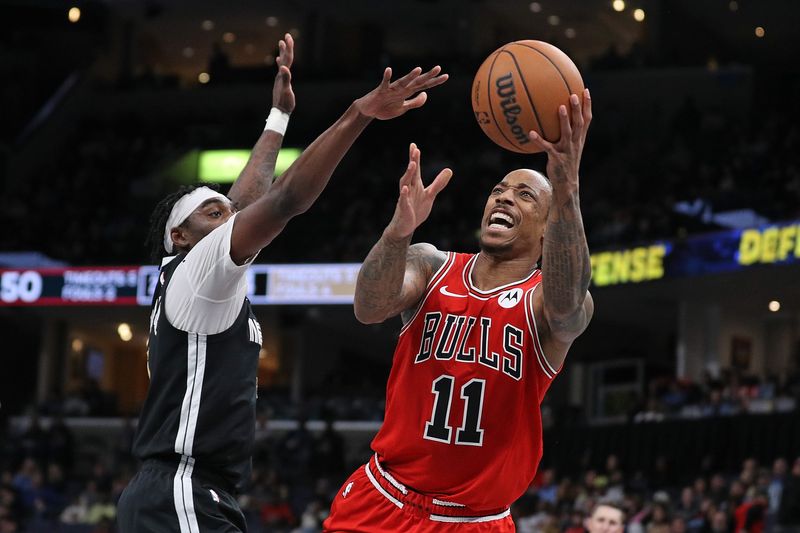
[[473, 519], [374, 481], [447, 504], [388, 477], [434, 517]]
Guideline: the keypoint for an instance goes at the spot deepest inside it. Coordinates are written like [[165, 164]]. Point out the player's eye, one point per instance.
[[497, 190], [526, 194]]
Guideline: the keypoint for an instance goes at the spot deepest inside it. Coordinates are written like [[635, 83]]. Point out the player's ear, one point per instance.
[[586, 523], [179, 236]]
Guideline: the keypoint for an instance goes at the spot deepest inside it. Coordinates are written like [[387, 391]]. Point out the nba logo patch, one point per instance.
[[347, 490], [214, 495], [509, 299]]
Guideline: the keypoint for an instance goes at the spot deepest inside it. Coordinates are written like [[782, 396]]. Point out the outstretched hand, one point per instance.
[[282, 93], [564, 156], [391, 99], [416, 200]]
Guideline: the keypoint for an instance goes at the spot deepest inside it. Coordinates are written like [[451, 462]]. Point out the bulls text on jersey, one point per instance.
[[447, 339]]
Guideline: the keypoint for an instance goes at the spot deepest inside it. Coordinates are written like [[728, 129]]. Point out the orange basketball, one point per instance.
[[519, 88]]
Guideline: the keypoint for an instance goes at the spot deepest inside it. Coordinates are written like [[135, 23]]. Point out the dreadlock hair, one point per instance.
[[158, 219]]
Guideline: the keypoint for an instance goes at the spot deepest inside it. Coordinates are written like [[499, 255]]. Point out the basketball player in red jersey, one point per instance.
[[483, 337]]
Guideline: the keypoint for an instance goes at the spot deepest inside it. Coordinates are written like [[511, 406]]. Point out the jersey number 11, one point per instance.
[[438, 428]]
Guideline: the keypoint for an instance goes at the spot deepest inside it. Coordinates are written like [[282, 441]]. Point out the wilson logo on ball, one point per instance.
[[511, 109], [518, 89]]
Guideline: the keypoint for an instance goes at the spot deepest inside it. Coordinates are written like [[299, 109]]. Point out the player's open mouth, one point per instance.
[[500, 221]]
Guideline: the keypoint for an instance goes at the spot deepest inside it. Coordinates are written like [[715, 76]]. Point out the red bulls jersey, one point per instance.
[[463, 420]]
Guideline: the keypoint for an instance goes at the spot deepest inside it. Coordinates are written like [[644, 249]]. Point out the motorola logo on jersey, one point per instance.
[[509, 299], [465, 339]]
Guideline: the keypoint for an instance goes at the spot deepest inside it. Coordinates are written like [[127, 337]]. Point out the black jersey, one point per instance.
[[200, 407]]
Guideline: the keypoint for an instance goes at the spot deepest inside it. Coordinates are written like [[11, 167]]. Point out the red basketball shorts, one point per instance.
[[372, 501]]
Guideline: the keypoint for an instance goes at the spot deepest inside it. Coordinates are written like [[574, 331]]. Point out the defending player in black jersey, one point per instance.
[[196, 429]]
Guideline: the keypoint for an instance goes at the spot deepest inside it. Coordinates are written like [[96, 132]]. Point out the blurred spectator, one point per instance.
[[606, 517], [659, 519], [76, 511], [688, 506], [545, 487], [719, 522], [276, 511], [328, 452], [60, 444], [775, 488], [102, 510], [575, 524], [789, 510], [293, 454], [33, 441], [312, 517], [749, 517], [11, 510], [678, 525]]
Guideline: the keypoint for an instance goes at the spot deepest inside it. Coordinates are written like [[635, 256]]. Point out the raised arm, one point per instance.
[[302, 183], [394, 275], [566, 269], [257, 175]]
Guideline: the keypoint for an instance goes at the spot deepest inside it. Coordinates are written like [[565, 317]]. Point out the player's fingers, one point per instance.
[[285, 73], [403, 196], [387, 77], [411, 168], [563, 118], [281, 52], [433, 82], [416, 156], [408, 78], [404, 201], [440, 181], [288, 54], [576, 116], [577, 111], [426, 76], [587, 107], [408, 177], [417, 101], [540, 142]]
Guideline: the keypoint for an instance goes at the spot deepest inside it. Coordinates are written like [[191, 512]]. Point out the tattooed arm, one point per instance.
[[393, 278], [394, 275], [564, 300], [566, 268], [257, 175]]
